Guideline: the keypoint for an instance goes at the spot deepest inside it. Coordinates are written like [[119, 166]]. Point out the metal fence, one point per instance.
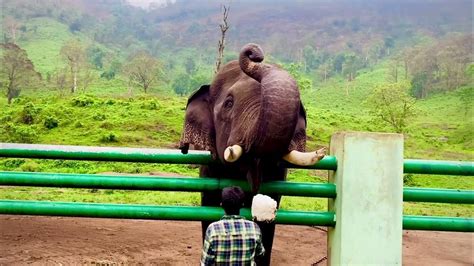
[[326, 190]]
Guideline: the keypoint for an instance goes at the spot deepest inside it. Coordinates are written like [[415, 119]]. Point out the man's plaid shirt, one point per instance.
[[232, 241]]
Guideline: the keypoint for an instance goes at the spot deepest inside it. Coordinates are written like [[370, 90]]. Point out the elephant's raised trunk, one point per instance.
[[250, 59], [280, 102]]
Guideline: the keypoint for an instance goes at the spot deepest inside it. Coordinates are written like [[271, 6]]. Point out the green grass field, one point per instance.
[[155, 121]]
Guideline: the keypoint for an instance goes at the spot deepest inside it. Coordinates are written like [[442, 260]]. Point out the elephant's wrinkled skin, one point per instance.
[[253, 105]]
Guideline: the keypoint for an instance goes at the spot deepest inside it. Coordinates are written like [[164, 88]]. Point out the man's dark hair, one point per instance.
[[232, 200]]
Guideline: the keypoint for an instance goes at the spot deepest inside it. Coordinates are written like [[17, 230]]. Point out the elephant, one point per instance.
[[250, 118]]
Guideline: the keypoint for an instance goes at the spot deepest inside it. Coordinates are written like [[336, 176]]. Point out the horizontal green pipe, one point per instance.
[[116, 154], [438, 195], [198, 157], [208, 214], [431, 223], [209, 184], [151, 212], [160, 183], [412, 166], [103, 153]]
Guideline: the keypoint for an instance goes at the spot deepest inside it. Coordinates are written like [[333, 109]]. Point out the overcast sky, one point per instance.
[[146, 3]]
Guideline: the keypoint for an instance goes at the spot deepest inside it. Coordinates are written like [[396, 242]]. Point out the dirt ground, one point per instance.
[[60, 240]]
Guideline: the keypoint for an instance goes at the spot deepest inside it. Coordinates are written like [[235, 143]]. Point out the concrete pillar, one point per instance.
[[369, 202]]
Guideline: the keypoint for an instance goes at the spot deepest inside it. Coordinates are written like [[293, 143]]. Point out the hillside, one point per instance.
[[337, 51]]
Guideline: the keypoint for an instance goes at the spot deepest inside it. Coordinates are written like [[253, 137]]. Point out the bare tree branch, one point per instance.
[[224, 26]]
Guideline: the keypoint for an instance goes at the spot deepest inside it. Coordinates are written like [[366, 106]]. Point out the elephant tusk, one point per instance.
[[232, 153], [305, 158]]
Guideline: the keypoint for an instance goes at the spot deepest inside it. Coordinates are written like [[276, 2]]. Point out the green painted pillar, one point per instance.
[[368, 205]]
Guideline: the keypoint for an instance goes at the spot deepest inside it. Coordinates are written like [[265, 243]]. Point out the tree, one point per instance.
[[295, 70], [112, 68], [439, 66], [17, 70], [87, 77], [181, 85], [388, 43], [419, 88], [393, 105], [74, 54], [96, 56], [325, 70], [393, 70], [310, 58], [60, 79], [11, 27], [338, 62], [221, 45], [349, 66], [190, 66], [143, 70]]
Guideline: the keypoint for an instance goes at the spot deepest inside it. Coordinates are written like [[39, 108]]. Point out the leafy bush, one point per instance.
[[408, 180], [150, 105], [12, 164], [99, 117], [110, 102], [393, 105], [83, 101], [109, 137], [6, 118], [21, 133], [30, 166], [51, 122], [106, 125], [21, 100], [29, 113], [78, 124]]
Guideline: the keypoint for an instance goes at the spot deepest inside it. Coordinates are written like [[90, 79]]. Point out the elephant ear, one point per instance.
[[198, 125], [299, 137]]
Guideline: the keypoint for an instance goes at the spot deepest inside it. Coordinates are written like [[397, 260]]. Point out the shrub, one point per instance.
[[29, 113], [78, 124], [109, 137], [99, 117], [30, 166], [110, 102], [12, 164], [106, 125], [21, 133], [6, 118], [21, 100], [51, 122], [408, 180], [150, 105], [83, 101]]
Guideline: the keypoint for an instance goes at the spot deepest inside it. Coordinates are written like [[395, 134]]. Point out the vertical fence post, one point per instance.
[[369, 202]]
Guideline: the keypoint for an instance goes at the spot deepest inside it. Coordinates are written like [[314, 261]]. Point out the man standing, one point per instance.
[[232, 240]]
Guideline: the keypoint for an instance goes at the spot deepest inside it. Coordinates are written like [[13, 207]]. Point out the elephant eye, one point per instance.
[[229, 103]]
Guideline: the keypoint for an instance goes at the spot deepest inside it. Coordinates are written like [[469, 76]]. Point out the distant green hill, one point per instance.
[[43, 40]]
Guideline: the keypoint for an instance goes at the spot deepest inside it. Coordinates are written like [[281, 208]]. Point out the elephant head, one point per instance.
[[251, 113]]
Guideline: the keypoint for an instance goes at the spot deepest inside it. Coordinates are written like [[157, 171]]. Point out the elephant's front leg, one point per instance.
[[211, 199]]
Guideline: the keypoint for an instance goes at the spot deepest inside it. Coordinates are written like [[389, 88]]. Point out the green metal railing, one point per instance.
[[435, 167], [126, 211], [206, 184], [160, 183], [411, 222], [197, 157], [210, 184]]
